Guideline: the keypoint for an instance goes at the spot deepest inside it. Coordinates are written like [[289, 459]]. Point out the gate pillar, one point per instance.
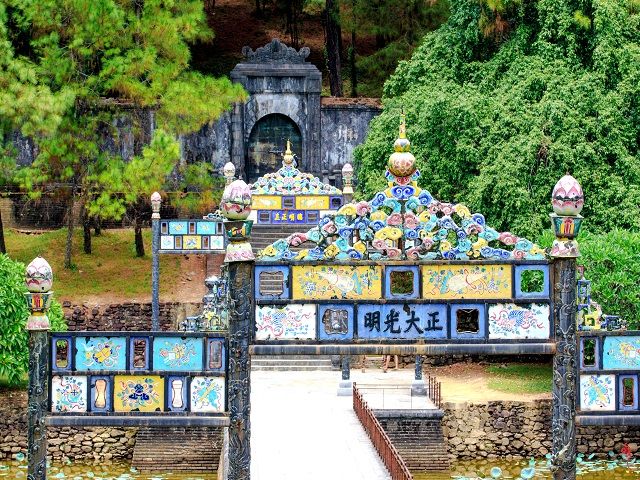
[[345, 387], [236, 206], [567, 200]]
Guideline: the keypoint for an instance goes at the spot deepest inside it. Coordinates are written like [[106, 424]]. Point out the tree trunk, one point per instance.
[[137, 228], [352, 65], [3, 247], [70, 225], [86, 232], [258, 8], [97, 226], [333, 34]]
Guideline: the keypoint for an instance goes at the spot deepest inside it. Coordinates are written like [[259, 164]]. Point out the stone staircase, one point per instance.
[[418, 438], [290, 362], [178, 449], [264, 235]]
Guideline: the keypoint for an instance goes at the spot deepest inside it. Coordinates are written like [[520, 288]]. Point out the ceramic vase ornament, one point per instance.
[[39, 280], [236, 207], [236, 201], [567, 200]]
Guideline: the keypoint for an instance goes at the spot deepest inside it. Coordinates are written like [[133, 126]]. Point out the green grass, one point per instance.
[[4, 384], [111, 270], [520, 378]]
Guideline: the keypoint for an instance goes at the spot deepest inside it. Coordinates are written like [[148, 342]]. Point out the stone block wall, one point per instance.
[[520, 430], [126, 317]]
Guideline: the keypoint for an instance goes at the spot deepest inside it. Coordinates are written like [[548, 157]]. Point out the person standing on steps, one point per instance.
[[387, 359]]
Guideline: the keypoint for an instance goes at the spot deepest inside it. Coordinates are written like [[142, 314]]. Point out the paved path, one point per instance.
[[300, 428]]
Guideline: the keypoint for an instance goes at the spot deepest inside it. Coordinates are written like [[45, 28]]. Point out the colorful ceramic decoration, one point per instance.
[[466, 281], [236, 201], [621, 353], [138, 393], [207, 394], [228, 171], [101, 353], [200, 236], [316, 282], [280, 322], [511, 321], [567, 198], [597, 392], [177, 354], [39, 276], [68, 394], [402, 222]]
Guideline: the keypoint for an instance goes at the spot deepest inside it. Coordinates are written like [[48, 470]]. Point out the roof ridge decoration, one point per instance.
[[291, 181], [276, 52], [401, 222]]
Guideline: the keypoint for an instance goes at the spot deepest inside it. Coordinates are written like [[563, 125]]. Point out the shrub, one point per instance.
[[14, 351]]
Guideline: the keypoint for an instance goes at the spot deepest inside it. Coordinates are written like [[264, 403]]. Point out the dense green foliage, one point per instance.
[[14, 352], [496, 120], [69, 69]]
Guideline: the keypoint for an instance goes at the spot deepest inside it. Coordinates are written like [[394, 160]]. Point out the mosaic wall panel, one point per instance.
[[207, 394], [68, 394], [511, 321], [466, 281], [138, 393], [101, 394], [468, 320], [317, 282], [597, 393], [271, 282], [282, 322], [101, 353], [196, 235], [335, 322], [312, 203], [266, 202], [177, 390], [621, 353], [177, 354], [521, 287], [402, 321]]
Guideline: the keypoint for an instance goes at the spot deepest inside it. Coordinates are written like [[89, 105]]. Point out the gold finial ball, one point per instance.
[[402, 164], [288, 157], [39, 276], [567, 198]]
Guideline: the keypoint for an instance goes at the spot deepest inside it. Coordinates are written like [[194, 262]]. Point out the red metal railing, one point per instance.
[[434, 391], [381, 442]]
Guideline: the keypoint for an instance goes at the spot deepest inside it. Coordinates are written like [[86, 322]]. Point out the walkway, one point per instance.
[[300, 428]]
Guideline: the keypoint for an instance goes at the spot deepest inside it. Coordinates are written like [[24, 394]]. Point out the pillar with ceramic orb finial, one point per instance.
[[567, 200], [156, 201], [39, 279], [236, 207], [347, 183], [229, 172]]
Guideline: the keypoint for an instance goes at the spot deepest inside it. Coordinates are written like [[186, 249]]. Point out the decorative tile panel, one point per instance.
[[466, 282], [468, 320], [312, 202], [177, 391], [207, 394], [282, 322], [271, 282], [391, 277], [101, 353], [335, 322], [597, 392], [101, 394], [544, 292], [402, 321], [177, 354], [317, 282], [138, 393], [68, 394], [621, 353], [519, 322]]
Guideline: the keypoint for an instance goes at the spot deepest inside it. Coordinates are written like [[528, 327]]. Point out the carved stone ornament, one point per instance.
[[276, 52]]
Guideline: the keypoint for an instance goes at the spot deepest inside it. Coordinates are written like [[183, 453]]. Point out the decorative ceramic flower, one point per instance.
[[236, 201], [39, 276], [567, 197]]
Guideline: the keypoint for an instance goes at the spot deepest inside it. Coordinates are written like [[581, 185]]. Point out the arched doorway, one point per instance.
[[267, 142]]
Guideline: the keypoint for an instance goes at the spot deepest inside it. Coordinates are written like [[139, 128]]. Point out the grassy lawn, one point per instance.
[[112, 270], [520, 378]]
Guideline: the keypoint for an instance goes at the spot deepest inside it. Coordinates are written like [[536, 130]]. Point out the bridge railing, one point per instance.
[[381, 442], [434, 390]]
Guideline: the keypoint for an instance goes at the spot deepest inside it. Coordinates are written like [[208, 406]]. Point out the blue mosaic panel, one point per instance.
[[463, 330], [390, 279], [101, 353], [628, 388], [596, 353], [139, 353], [101, 394], [621, 353], [216, 355], [335, 322], [177, 354], [402, 321], [61, 353], [271, 282], [177, 390], [545, 281], [178, 228], [207, 228]]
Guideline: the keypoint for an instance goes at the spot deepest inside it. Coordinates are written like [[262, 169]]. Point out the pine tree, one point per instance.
[[100, 55]]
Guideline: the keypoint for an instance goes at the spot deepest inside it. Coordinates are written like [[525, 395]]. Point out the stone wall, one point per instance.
[[520, 430], [90, 443], [126, 317]]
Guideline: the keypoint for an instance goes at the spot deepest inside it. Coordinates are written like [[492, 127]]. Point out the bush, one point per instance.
[[14, 351], [494, 124]]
